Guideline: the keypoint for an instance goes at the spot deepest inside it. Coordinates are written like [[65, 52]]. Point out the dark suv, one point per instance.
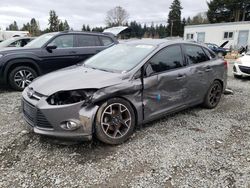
[[49, 52]]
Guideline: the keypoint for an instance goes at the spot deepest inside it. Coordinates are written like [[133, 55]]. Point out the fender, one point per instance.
[[12, 62]]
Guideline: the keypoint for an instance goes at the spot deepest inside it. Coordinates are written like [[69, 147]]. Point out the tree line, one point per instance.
[[218, 11]]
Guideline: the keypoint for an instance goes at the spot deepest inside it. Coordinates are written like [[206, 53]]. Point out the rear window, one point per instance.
[[210, 54], [88, 40], [106, 41], [195, 54]]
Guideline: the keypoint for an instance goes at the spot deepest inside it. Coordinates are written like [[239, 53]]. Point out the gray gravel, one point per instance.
[[194, 148]]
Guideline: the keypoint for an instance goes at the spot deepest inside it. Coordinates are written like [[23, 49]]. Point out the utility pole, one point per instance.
[[172, 24]]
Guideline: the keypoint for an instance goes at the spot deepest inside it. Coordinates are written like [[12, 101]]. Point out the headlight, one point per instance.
[[70, 97]]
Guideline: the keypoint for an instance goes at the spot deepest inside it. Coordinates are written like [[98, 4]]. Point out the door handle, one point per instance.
[[180, 76], [72, 52], [208, 69]]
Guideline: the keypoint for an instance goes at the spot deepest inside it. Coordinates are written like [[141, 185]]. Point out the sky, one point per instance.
[[79, 12]]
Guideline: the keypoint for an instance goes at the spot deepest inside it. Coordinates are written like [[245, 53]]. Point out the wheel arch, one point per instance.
[[23, 62]]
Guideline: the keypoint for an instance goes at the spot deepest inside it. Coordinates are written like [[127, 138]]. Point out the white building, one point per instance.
[[237, 33]]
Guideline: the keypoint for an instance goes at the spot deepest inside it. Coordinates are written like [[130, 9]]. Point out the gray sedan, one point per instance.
[[122, 87]]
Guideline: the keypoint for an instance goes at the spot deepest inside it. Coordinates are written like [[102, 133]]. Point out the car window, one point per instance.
[[210, 54], [195, 54], [15, 44], [88, 40], [167, 59], [106, 41], [63, 41]]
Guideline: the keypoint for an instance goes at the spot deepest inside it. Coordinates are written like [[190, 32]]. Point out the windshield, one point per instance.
[[7, 42], [119, 58], [40, 41]]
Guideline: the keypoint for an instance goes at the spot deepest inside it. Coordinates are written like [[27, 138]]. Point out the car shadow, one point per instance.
[[5, 89]]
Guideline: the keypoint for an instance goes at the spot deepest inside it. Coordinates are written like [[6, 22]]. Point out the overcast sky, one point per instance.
[[92, 12]]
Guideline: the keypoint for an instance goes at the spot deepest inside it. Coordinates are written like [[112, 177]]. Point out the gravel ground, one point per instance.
[[193, 148]]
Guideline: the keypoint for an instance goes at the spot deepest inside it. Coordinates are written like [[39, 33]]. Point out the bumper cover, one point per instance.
[[241, 70], [46, 119]]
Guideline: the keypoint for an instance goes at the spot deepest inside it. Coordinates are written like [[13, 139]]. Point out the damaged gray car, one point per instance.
[[122, 87]]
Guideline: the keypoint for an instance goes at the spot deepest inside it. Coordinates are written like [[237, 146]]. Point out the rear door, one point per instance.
[[165, 82], [87, 46], [201, 71], [63, 56]]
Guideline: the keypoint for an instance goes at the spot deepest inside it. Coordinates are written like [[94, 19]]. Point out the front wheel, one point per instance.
[[115, 121], [21, 77], [213, 95]]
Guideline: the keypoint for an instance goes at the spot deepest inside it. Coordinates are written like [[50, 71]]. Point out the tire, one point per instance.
[[213, 95], [115, 121], [20, 77]]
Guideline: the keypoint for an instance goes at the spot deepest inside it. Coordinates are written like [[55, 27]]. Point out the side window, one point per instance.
[[167, 59], [15, 44], [88, 40], [63, 41], [210, 54], [106, 41], [195, 54]]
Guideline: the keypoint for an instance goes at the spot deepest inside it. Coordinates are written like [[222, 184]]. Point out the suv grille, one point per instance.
[[244, 69], [34, 116]]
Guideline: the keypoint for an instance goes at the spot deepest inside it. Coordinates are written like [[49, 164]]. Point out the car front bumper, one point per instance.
[[47, 119], [241, 70]]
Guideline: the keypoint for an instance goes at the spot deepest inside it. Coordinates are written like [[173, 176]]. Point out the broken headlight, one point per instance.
[[70, 97]]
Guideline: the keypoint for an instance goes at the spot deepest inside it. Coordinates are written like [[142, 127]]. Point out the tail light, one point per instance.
[[226, 64]]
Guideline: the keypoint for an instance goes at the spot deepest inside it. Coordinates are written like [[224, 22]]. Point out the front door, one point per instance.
[[165, 82], [63, 56], [243, 38]]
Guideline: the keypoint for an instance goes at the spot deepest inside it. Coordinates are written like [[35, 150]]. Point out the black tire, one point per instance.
[[107, 122], [213, 95], [14, 75]]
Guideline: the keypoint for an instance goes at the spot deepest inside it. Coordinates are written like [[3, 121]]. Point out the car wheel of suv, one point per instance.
[[213, 95], [115, 121], [21, 77]]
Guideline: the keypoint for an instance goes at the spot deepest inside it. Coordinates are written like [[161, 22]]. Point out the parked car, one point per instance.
[[242, 66], [124, 86], [219, 50], [16, 42], [49, 52]]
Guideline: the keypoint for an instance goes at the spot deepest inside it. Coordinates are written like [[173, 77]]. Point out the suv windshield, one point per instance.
[[119, 58], [40, 41]]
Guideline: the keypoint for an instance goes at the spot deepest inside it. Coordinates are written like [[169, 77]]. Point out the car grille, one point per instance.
[[34, 116], [244, 69]]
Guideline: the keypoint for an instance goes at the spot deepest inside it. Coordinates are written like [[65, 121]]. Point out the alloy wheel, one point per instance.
[[116, 120], [23, 78], [215, 94]]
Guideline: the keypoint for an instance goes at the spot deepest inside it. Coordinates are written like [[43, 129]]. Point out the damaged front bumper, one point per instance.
[[49, 120]]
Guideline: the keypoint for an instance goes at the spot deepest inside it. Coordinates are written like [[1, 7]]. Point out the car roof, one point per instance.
[[158, 42], [84, 32]]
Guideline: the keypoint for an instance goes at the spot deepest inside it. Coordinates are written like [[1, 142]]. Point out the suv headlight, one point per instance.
[[70, 97]]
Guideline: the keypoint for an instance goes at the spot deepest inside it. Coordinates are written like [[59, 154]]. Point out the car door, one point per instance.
[[63, 56], [199, 72], [165, 82], [87, 46]]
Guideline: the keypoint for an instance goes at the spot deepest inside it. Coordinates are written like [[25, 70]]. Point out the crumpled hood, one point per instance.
[[72, 78]]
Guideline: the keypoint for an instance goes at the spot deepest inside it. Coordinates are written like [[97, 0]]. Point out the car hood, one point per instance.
[[72, 78]]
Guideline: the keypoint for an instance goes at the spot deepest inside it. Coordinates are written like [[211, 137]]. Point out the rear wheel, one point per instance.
[[21, 77], [115, 121], [213, 95]]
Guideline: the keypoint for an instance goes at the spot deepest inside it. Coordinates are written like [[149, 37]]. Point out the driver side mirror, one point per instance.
[[50, 47]]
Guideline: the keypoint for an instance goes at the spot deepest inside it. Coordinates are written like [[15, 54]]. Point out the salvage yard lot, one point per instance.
[[194, 148]]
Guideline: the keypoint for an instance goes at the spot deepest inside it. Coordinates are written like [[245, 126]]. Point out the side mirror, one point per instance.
[[148, 71], [50, 47]]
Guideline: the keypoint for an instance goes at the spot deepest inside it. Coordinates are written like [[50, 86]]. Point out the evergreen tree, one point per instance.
[[13, 27], [34, 27], [53, 21], [174, 19], [66, 25], [84, 27]]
